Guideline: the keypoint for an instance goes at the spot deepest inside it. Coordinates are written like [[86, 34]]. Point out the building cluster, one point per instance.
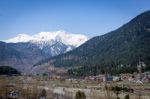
[[135, 77]]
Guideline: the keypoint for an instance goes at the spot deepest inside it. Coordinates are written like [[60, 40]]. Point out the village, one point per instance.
[[60, 85], [102, 86], [135, 77]]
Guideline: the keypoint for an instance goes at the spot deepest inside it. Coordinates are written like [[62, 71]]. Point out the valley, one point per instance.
[[31, 87], [106, 56]]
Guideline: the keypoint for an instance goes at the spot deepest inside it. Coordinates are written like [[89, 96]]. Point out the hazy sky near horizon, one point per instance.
[[89, 17]]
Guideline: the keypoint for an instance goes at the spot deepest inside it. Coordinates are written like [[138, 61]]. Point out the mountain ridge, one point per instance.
[[124, 45], [23, 51], [59, 36]]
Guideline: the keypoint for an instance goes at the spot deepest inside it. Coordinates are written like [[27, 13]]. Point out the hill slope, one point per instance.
[[121, 48], [7, 70], [22, 51]]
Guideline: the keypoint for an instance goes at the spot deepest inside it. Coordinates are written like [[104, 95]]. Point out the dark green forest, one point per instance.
[[116, 52], [7, 70]]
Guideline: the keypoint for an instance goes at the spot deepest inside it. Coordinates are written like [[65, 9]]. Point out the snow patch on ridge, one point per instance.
[[50, 37]]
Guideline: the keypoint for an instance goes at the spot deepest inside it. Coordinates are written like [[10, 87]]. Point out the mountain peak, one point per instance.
[[58, 36], [19, 38]]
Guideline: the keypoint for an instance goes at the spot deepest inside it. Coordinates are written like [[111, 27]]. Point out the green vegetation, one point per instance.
[[80, 95], [116, 89], [127, 96], [94, 70], [43, 93], [117, 52], [7, 70]]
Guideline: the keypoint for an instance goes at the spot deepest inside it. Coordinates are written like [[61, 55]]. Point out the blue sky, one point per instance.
[[89, 17]]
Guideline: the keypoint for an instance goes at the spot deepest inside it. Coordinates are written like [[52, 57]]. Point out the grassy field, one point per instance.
[[32, 87]]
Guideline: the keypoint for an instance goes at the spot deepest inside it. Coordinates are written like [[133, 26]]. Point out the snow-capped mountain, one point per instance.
[[56, 42], [23, 51], [50, 37]]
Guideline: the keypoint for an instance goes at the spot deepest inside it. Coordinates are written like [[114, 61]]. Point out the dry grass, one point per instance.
[[31, 88]]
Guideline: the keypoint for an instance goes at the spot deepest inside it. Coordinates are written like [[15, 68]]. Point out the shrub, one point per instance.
[[127, 97], [80, 95], [43, 93]]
